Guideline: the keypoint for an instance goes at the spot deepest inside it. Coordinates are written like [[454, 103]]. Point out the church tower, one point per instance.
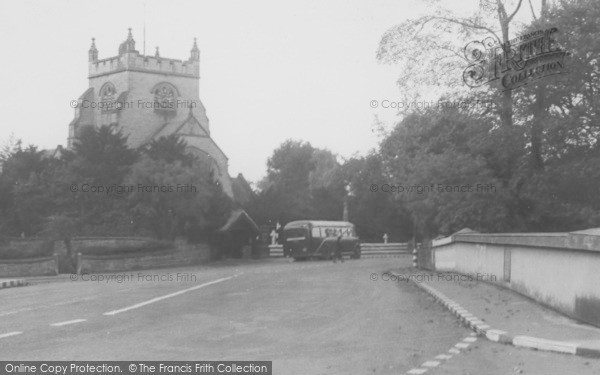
[[148, 97]]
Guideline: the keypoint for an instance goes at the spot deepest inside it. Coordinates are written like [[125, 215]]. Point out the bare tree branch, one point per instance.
[[501, 12], [466, 24], [532, 12], [515, 12]]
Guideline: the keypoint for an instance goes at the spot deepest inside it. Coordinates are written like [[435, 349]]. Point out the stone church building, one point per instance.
[[147, 97]]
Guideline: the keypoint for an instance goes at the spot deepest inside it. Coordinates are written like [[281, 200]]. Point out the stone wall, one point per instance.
[[182, 254], [29, 267], [190, 255], [28, 247], [79, 244]]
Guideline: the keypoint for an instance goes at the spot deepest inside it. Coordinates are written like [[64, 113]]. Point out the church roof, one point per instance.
[[54, 153], [190, 127], [87, 95], [239, 219], [194, 127]]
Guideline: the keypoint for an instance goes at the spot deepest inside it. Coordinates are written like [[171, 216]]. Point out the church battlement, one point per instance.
[[129, 59], [147, 64]]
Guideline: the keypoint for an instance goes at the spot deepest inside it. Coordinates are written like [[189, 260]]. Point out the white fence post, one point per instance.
[[415, 256]]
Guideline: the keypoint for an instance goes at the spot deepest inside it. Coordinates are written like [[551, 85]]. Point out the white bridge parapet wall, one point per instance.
[[560, 270]]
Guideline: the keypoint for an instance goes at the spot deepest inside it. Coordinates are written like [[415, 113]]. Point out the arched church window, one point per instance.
[[107, 92], [165, 97], [107, 97]]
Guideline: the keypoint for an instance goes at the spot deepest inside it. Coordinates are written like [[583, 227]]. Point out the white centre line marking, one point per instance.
[[60, 324], [16, 311], [470, 339], [304, 313], [37, 307], [114, 312], [9, 334]]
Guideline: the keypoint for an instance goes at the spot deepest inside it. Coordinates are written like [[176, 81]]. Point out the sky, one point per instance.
[[270, 70]]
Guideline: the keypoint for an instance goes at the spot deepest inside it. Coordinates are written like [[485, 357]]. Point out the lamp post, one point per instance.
[[348, 188]]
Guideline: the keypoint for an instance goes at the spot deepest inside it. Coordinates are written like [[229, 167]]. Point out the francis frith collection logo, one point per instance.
[[515, 63]]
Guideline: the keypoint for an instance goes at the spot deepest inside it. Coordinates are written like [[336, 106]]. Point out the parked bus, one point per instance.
[[310, 239]]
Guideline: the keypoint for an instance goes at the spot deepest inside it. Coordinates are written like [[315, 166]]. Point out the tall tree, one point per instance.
[[327, 186], [288, 171], [101, 158], [569, 119], [432, 49], [565, 130], [374, 213], [167, 195], [22, 198], [446, 149], [179, 195], [170, 149], [101, 155]]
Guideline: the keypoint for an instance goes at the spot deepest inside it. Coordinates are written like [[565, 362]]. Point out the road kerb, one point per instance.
[[12, 283], [504, 337], [542, 344]]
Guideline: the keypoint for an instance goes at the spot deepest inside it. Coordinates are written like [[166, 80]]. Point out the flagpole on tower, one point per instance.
[[144, 28]]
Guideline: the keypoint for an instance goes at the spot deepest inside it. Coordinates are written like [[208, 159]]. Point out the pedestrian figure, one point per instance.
[[338, 250]]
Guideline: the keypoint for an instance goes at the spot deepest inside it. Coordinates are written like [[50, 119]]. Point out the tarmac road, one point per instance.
[[307, 317]]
